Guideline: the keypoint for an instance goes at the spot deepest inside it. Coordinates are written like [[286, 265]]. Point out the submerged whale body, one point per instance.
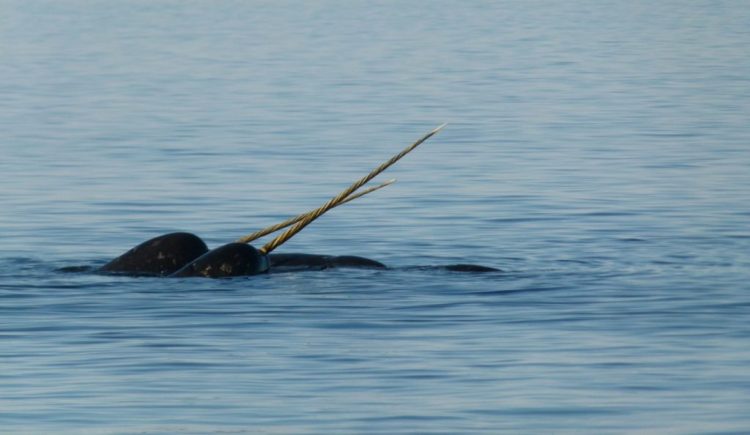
[[186, 255], [309, 261]]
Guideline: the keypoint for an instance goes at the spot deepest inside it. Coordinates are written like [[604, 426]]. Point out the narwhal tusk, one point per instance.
[[273, 228], [333, 202]]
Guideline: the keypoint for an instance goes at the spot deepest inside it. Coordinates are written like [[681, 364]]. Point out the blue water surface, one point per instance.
[[598, 152]]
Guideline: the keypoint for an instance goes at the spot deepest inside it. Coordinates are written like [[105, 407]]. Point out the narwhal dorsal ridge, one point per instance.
[[160, 256]]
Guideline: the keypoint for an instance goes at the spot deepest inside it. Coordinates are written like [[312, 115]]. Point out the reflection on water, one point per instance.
[[597, 152]]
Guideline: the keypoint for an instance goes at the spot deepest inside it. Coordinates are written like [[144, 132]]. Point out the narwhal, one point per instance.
[[166, 254], [184, 254]]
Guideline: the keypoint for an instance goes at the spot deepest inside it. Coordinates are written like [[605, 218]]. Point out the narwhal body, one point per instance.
[[160, 256], [186, 255], [183, 255]]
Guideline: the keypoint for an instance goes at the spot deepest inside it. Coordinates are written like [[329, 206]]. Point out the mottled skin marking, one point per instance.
[[233, 259]]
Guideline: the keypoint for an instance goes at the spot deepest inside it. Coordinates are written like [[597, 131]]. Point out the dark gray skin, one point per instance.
[[290, 262], [475, 268], [160, 256], [234, 259], [186, 255]]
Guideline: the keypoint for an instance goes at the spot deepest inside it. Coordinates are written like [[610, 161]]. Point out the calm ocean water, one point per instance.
[[597, 151]]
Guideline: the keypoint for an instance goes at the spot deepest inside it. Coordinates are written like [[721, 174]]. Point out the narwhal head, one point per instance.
[[233, 259]]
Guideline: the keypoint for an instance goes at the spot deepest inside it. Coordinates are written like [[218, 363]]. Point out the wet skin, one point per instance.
[[160, 256], [310, 261], [234, 259]]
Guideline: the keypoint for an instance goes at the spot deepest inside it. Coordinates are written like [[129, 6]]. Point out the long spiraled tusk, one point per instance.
[[333, 202], [273, 228]]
